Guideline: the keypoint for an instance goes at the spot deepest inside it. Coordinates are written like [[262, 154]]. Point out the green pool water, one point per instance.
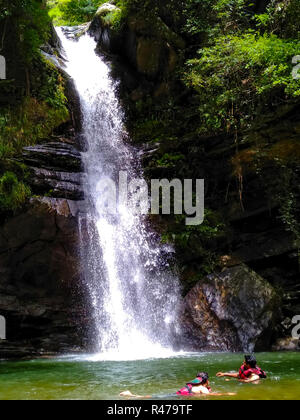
[[77, 378]]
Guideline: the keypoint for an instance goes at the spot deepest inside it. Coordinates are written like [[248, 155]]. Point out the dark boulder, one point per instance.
[[235, 310], [148, 46]]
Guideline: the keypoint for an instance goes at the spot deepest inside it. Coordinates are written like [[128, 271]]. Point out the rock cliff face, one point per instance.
[[39, 292], [147, 50]]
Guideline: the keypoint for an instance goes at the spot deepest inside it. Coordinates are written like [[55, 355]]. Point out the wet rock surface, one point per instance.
[[59, 184], [255, 234], [40, 294], [55, 170], [235, 310], [56, 155]]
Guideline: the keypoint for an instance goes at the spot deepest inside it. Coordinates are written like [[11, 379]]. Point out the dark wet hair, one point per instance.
[[203, 376], [251, 361]]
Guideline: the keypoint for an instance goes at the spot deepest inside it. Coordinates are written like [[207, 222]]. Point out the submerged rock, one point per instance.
[[235, 310]]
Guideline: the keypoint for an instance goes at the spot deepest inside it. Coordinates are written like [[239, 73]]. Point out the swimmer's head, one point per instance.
[[203, 376], [250, 361]]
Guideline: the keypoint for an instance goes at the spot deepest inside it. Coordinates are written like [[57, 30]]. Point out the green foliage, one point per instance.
[[28, 124], [35, 118], [199, 16], [197, 244], [31, 22], [52, 86], [73, 12], [210, 18], [234, 15], [169, 160], [239, 75], [13, 193], [281, 18], [115, 18]]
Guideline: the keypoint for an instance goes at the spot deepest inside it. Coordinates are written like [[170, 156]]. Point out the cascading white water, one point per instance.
[[133, 294]]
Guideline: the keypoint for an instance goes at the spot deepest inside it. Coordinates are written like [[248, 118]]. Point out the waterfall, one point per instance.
[[132, 292]]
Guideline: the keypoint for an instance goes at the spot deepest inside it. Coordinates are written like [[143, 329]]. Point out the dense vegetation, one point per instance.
[[72, 12], [32, 100]]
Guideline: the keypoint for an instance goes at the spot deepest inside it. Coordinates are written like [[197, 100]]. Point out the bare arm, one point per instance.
[[228, 375], [217, 394], [226, 394], [253, 378], [128, 394]]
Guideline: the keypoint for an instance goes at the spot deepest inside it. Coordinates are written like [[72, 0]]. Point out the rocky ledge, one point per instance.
[[55, 170]]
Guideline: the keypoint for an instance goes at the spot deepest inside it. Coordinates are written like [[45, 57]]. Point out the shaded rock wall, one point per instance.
[[40, 293], [146, 48]]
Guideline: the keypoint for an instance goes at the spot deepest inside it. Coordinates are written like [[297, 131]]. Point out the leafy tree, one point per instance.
[[30, 21], [239, 75], [73, 12]]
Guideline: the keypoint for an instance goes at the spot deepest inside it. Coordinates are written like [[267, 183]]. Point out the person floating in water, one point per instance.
[[200, 386], [249, 371]]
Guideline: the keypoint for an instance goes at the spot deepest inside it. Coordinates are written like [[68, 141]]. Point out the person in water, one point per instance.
[[249, 371], [200, 386]]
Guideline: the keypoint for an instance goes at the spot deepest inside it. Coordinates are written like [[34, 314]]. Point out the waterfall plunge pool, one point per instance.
[[90, 378]]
